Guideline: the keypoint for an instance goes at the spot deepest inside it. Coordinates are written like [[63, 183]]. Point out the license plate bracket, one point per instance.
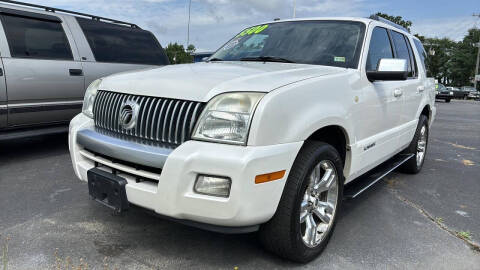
[[108, 189]]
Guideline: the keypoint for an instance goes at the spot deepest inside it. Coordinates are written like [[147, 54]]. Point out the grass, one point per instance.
[[465, 235], [439, 220]]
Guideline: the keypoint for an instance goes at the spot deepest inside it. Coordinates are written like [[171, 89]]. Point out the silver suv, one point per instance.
[[49, 56]]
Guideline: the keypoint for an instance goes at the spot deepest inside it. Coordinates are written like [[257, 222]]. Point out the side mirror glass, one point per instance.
[[389, 69]]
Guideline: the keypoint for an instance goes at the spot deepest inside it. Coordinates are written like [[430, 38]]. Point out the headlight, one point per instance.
[[89, 99], [451, 93], [227, 117]]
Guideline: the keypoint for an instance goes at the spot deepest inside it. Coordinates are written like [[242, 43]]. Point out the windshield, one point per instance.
[[441, 87], [330, 43]]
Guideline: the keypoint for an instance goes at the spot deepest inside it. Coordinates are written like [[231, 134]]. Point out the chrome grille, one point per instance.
[[159, 119]]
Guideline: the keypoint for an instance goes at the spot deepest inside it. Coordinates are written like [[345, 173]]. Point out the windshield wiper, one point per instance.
[[267, 59]]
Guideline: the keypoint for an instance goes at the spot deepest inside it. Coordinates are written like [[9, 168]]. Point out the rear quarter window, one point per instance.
[[113, 43], [421, 51]]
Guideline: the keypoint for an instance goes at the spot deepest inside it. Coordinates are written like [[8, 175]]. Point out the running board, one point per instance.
[[362, 183]]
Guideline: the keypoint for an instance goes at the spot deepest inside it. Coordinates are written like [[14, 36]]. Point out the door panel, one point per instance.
[[42, 91]]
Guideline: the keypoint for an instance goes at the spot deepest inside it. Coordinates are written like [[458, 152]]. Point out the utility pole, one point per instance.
[[188, 27], [478, 58], [294, 8]]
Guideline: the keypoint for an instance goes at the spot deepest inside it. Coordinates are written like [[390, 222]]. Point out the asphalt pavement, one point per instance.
[[426, 221]]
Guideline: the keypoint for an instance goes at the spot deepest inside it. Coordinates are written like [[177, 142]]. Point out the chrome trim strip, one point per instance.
[[35, 104], [142, 154]]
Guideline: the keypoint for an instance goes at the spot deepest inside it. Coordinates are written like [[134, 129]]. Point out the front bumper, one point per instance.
[[173, 196], [443, 96]]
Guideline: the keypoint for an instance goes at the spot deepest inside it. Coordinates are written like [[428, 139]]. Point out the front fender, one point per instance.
[[294, 112]]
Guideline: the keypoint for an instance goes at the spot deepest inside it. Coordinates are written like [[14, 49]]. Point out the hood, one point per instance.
[[202, 81]]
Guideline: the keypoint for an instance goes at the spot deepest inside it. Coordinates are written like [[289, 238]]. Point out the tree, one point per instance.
[[439, 59], [178, 55], [396, 19], [464, 58]]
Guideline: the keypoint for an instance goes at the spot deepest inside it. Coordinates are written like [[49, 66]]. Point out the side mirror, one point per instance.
[[389, 69]]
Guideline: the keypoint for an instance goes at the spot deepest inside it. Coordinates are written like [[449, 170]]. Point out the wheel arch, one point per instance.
[[336, 136], [427, 111]]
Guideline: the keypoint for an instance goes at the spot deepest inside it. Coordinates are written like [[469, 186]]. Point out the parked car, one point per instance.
[[471, 92], [265, 135], [475, 95], [441, 92], [457, 92], [49, 56]]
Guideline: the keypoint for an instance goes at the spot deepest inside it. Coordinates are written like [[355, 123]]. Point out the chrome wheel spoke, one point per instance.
[[320, 213], [315, 176], [311, 230], [328, 207], [303, 211]]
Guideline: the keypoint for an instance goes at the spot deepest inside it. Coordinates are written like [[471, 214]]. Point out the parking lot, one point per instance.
[[425, 221]]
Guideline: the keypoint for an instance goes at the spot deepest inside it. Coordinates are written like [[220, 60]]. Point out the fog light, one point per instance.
[[213, 185]]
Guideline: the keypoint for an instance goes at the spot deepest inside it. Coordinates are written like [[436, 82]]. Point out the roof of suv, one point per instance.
[[39, 9]]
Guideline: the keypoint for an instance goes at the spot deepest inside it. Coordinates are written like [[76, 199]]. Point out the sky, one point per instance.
[[213, 22]]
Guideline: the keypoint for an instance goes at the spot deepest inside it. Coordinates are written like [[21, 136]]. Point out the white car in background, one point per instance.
[[266, 134]]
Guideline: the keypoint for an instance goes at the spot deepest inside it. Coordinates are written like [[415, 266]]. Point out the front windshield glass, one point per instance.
[[330, 43]]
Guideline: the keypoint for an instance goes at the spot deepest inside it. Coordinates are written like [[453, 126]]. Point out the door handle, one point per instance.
[[421, 88], [75, 72], [397, 93]]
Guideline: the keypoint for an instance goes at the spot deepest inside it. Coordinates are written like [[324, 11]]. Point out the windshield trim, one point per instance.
[[359, 46]]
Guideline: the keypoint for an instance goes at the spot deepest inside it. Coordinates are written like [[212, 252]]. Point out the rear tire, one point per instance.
[[299, 230], [447, 100], [418, 147]]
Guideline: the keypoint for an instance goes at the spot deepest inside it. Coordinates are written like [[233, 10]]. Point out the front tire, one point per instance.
[[447, 100], [418, 147], [310, 203]]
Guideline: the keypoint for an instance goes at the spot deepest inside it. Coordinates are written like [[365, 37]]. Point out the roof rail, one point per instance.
[[383, 20], [50, 9]]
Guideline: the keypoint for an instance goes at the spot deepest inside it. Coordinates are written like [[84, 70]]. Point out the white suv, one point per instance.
[[265, 134]]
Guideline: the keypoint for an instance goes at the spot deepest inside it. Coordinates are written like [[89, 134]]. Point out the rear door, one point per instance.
[[44, 81]]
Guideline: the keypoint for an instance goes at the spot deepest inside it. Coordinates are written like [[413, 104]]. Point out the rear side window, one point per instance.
[[35, 38], [421, 51], [113, 43], [379, 48], [401, 49]]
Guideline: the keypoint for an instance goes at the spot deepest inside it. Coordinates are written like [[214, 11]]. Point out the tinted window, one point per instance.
[[121, 44], [33, 38], [379, 48], [330, 43], [401, 50], [421, 52]]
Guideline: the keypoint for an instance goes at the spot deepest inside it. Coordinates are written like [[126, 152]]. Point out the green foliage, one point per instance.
[[396, 19], [178, 55], [453, 63]]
